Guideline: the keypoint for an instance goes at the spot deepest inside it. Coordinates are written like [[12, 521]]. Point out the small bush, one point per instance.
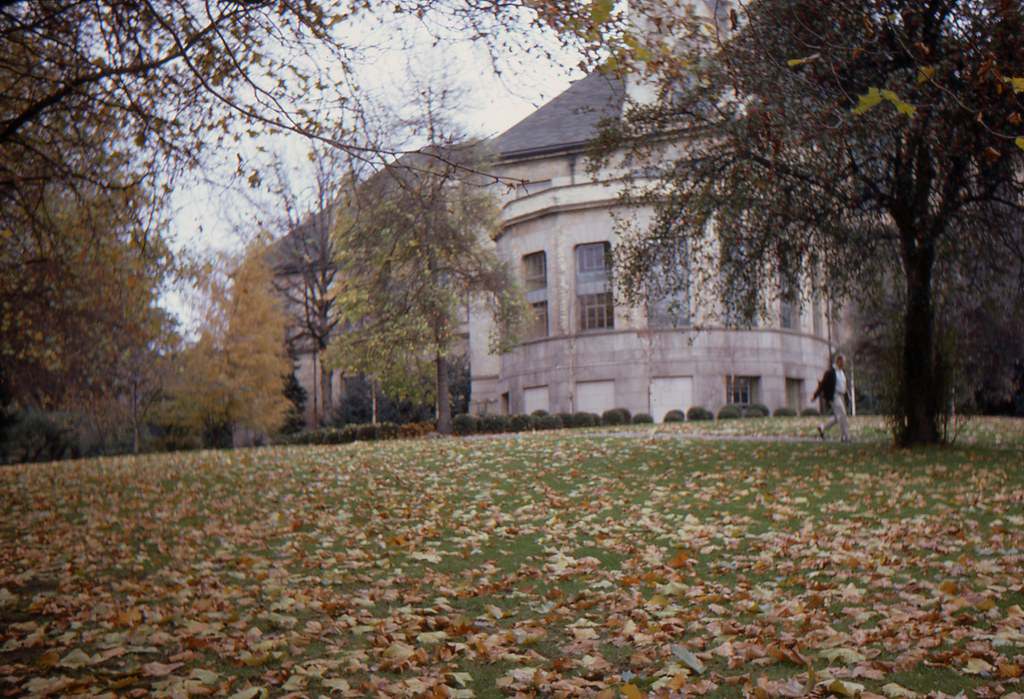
[[519, 423], [675, 416], [810, 412], [568, 419], [40, 436], [729, 412], [584, 420], [548, 422], [540, 413], [465, 424], [642, 418], [387, 430], [699, 413], [613, 417], [493, 424], [367, 433], [412, 430], [756, 410], [784, 412], [346, 435]]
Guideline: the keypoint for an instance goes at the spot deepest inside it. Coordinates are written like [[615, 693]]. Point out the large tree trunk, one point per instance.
[[921, 387], [444, 409]]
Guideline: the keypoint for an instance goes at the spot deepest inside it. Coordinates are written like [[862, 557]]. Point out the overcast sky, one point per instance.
[[208, 217]]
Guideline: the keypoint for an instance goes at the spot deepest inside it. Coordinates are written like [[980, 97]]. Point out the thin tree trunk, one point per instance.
[[135, 419], [326, 393], [444, 410], [316, 392], [920, 385]]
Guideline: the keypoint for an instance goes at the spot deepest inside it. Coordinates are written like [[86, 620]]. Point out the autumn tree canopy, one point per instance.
[[414, 251], [833, 142]]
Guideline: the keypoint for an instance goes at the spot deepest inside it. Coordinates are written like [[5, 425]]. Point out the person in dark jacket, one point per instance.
[[835, 389]]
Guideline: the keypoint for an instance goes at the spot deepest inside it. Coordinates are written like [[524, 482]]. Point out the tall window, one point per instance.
[[668, 288], [594, 286], [741, 390], [535, 274]]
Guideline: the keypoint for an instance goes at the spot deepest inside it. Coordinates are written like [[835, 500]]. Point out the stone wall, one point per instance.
[[566, 208]]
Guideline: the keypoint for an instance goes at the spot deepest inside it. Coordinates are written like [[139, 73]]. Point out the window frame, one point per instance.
[[750, 386], [601, 310], [534, 331], [532, 281], [594, 299]]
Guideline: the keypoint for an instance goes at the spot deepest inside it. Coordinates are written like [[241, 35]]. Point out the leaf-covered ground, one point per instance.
[[556, 564], [972, 431]]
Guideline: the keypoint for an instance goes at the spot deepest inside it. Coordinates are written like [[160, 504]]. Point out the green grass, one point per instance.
[[587, 558]]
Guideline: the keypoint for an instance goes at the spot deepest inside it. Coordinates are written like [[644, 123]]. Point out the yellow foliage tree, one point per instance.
[[234, 375]]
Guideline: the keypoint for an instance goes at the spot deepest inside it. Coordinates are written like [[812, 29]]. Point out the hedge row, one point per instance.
[[539, 420], [346, 434]]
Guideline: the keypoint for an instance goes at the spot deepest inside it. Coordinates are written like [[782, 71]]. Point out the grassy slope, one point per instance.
[[558, 562]]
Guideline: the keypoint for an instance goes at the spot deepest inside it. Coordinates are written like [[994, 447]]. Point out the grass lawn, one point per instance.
[[554, 564]]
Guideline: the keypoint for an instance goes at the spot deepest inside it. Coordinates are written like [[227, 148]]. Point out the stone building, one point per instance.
[[585, 352]]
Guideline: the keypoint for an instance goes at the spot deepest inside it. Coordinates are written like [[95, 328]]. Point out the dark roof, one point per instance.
[[571, 119], [287, 254]]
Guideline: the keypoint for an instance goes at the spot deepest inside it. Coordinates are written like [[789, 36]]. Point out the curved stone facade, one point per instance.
[[577, 362]]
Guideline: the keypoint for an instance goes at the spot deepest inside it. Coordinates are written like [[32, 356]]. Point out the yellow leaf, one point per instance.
[[794, 62], [900, 105], [986, 604], [1020, 142], [601, 10], [925, 74], [846, 689], [866, 102], [847, 655], [631, 691], [977, 666], [895, 691], [1017, 83]]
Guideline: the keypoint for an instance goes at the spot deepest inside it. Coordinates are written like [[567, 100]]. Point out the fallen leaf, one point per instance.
[[691, 660], [895, 691], [845, 689], [631, 691]]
